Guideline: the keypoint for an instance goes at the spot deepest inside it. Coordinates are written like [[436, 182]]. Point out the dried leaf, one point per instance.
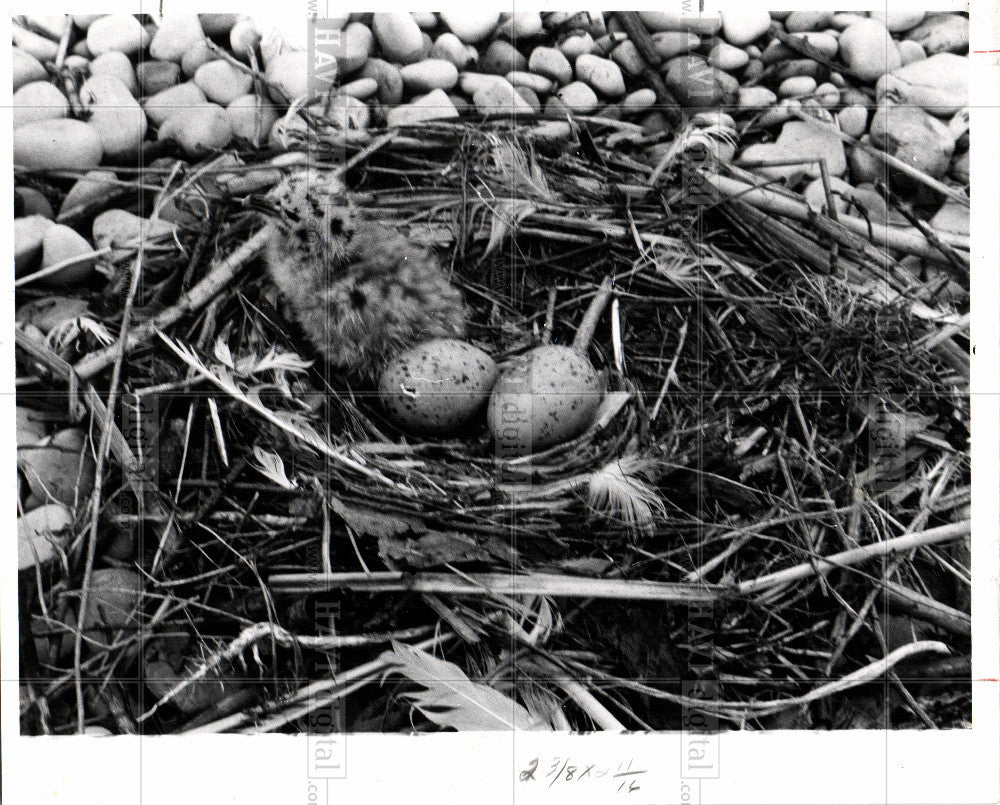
[[373, 523], [434, 549]]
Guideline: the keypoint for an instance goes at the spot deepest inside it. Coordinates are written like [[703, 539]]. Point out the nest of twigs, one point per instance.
[[735, 523]]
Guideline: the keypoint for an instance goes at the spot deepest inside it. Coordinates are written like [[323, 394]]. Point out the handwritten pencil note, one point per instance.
[[621, 778]]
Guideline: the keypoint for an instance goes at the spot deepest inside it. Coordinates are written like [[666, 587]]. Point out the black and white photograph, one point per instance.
[[389, 383]]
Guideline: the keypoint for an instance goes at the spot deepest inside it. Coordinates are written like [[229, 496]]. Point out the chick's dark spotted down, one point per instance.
[[360, 290]]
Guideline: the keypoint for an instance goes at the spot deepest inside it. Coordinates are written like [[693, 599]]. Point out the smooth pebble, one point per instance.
[[915, 137], [289, 72], [38, 100], [756, 98], [797, 86], [221, 82], [62, 144], [161, 106], [117, 32], [41, 47], [703, 24], [63, 243], [427, 75], [499, 98], [868, 49], [156, 76], [501, 57], [176, 35], [449, 47], [639, 100], [899, 21], [603, 75], [938, 84], [942, 33], [399, 36], [802, 21], [251, 118], [470, 26], [578, 97], [744, 26], [115, 114], [726, 57], [435, 105], [853, 120], [356, 43], [536, 83], [668, 44], [199, 130], [550, 63], [26, 68], [29, 232]]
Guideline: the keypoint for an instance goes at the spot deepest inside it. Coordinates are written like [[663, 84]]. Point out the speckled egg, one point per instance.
[[547, 396], [437, 386]]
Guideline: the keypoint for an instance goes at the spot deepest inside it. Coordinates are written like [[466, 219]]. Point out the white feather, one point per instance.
[[617, 490]]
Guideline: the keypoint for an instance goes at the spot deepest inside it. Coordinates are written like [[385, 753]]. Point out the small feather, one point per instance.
[[618, 491], [272, 467], [450, 699]]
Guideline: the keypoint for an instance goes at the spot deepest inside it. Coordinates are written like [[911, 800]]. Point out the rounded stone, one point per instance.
[[744, 26], [399, 36], [176, 35], [797, 86], [62, 144], [726, 57], [868, 49], [470, 26], [603, 75], [429, 74], [221, 82], [578, 97], [853, 120], [156, 76], [121, 32], [550, 63], [38, 100]]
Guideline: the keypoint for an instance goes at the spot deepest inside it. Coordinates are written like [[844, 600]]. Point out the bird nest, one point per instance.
[[753, 349]]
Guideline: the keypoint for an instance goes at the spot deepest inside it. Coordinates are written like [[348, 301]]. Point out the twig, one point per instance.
[[588, 326], [907, 240], [216, 280], [593, 708], [315, 695], [924, 178], [740, 711], [550, 316], [857, 555], [926, 608], [64, 43], [499, 584], [959, 262], [95, 498], [638, 33], [617, 347], [55, 268], [671, 373], [272, 631], [932, 339]]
